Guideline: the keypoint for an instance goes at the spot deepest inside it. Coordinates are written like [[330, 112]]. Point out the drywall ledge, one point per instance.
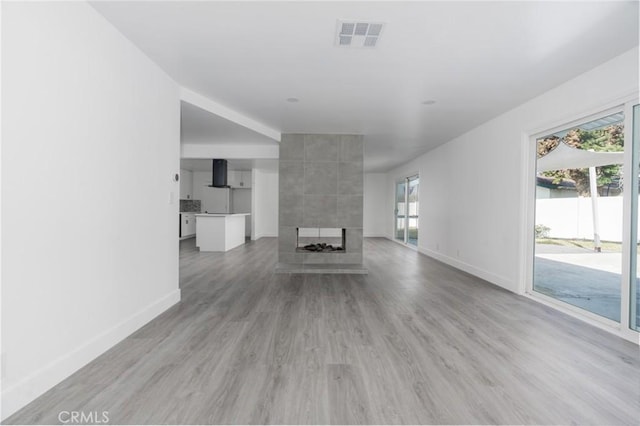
[[16, 396]]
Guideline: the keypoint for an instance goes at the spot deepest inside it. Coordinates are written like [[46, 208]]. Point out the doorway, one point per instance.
[[407, 210]]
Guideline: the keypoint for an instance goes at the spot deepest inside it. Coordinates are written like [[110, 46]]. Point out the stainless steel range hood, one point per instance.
[[219, 174]]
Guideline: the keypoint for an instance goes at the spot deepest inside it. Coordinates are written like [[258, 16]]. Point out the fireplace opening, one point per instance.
[[320, 240]]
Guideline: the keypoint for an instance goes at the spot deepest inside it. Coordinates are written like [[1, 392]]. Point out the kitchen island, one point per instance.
[[219, 232]]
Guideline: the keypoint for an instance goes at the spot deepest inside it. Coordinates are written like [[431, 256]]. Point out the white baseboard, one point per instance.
[[257, 237], [480, 273], [409, 246], [458, 264], [16, 396]]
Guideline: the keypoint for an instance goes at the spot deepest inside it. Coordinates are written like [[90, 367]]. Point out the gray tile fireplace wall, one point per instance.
[[321, 185]]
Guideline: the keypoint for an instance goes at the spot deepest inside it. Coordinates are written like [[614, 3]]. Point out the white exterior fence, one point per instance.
[[573, 217]]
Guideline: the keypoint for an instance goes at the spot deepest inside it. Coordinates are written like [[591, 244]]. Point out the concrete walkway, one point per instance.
[[580, 277]]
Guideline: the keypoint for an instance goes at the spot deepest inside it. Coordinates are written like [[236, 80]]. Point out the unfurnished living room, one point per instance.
[[320, 212]]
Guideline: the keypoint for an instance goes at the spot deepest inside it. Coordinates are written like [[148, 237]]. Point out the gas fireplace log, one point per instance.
[[322, 247]]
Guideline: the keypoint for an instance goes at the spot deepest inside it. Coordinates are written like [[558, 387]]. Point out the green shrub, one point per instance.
[[413, 233], [542, 231]]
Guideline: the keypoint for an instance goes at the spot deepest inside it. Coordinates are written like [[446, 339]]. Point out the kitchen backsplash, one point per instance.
[[190, 206]]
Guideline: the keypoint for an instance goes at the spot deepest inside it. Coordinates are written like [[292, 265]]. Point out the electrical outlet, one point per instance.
[[458, 253]]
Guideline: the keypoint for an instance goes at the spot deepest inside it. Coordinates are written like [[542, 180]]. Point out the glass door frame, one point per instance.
[[405, 239], [528, 206], [633, 265], [396, 210]]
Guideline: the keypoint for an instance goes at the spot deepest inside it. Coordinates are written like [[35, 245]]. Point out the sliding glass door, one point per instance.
[[586, 218], [401, 211], [406, 210], [579, 212]]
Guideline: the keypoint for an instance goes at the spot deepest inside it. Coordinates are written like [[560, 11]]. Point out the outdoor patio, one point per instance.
[[580, 277]]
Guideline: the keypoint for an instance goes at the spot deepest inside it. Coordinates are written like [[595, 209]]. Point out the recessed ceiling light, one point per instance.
[[293, 99], [358, 33], [428, 102]]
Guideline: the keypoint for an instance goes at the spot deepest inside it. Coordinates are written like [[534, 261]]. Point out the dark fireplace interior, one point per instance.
[[320, 240]]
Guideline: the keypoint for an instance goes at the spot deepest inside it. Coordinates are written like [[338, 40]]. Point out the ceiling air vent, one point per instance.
[[358, 33]]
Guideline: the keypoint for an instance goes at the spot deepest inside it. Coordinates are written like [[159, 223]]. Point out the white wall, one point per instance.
[[90, 140], [265, 203], [465, 223], [241, 203], [377, 206]]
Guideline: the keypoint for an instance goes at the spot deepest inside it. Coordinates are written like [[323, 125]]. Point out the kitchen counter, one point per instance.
[[219, 231]]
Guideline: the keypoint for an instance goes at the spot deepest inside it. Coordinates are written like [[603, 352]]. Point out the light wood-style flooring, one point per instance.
[[413, 342]]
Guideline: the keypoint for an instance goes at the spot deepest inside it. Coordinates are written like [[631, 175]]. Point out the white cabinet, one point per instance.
[[239, 179], [186, 185], [183, 225], [187, 224], [191, 226]]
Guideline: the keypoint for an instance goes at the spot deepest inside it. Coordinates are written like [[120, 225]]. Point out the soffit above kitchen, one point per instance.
[[437, 70], [204, 165], [203, 127]]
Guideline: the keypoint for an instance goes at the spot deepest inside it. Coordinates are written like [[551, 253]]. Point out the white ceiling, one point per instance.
[[477, 59]]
